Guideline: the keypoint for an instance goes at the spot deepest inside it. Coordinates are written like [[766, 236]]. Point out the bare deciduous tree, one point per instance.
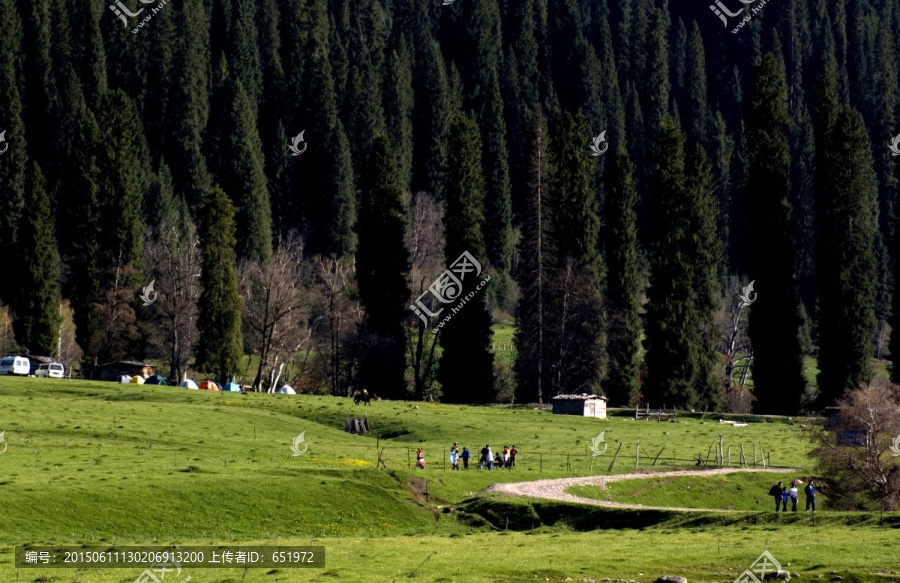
[[68, 352], [172, 257], [425, 241], [864, 472], [733, 340], [335, 305], [275, 314], [115, 328]]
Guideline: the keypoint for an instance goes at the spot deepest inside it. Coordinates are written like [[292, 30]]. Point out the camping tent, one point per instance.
[[124, 379], [188, 384], [231, 387], [157, 380], [137, 380], [209, 386], [287, 390]]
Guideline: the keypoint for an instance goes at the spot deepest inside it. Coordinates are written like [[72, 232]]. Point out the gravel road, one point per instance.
[[555, 489]]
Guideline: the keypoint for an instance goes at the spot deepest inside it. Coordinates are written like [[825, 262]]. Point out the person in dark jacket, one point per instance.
[[465, 458], [777, 492], [810, 492]]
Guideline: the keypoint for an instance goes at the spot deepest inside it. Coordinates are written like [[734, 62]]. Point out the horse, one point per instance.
[[363, 395]]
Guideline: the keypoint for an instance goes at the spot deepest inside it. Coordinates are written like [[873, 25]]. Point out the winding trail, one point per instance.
[[556, 489]]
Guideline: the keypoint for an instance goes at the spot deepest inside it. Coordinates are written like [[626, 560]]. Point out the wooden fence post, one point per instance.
[[729, 455], [743, 457], [614, 457], [754, 455], [637, 453]]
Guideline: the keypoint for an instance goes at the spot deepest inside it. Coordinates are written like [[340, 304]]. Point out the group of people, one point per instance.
[[488, 459], [782, 494]]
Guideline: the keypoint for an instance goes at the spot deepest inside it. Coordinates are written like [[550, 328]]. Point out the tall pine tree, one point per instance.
[[775, 320], [534, 267], [466, 366], [846, 264], [220, 342], [37, 316], [623, 286], [382, 270], [577, 340], [672, 319]]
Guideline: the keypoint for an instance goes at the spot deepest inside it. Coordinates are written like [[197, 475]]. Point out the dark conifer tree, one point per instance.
[[236, 161], [219, 347], [13, 161], [382, 270], [672, 318], [704, 255], [80, 234], [431, 117], [120, 196], [242, 50], [466, 365], [190, 102], [846, 260], [398, 105], [327, 189], [36, 307], [577, 325], [775, 320], [536, 257], [623, 287]]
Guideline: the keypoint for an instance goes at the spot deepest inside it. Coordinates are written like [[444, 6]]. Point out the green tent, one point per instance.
[[157, 380]]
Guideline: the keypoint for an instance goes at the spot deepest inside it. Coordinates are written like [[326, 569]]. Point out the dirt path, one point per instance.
[[555, 489]]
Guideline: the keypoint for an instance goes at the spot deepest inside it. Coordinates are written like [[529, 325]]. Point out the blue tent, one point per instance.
[[232, 387]]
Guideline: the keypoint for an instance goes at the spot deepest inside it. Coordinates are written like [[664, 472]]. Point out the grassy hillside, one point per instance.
[[103, 463]]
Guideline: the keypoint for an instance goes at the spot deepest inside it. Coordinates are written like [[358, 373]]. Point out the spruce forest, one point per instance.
[[672, 203]]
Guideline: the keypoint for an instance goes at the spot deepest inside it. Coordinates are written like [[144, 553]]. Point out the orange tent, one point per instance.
[[209, 386]]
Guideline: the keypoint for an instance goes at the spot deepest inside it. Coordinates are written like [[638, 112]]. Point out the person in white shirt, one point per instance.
[[793, 495]]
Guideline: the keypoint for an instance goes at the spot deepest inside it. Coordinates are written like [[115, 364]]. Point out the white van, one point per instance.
[[15, 365], [51, 370]]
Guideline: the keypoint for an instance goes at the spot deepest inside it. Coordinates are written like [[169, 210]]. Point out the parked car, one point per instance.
[[15, 365], [53, 370]]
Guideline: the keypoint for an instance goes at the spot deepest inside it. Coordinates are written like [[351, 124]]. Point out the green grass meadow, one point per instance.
[[103, 463], [739, 491]]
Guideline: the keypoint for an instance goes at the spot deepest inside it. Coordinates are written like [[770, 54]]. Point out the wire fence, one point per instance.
[[619, 457]]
